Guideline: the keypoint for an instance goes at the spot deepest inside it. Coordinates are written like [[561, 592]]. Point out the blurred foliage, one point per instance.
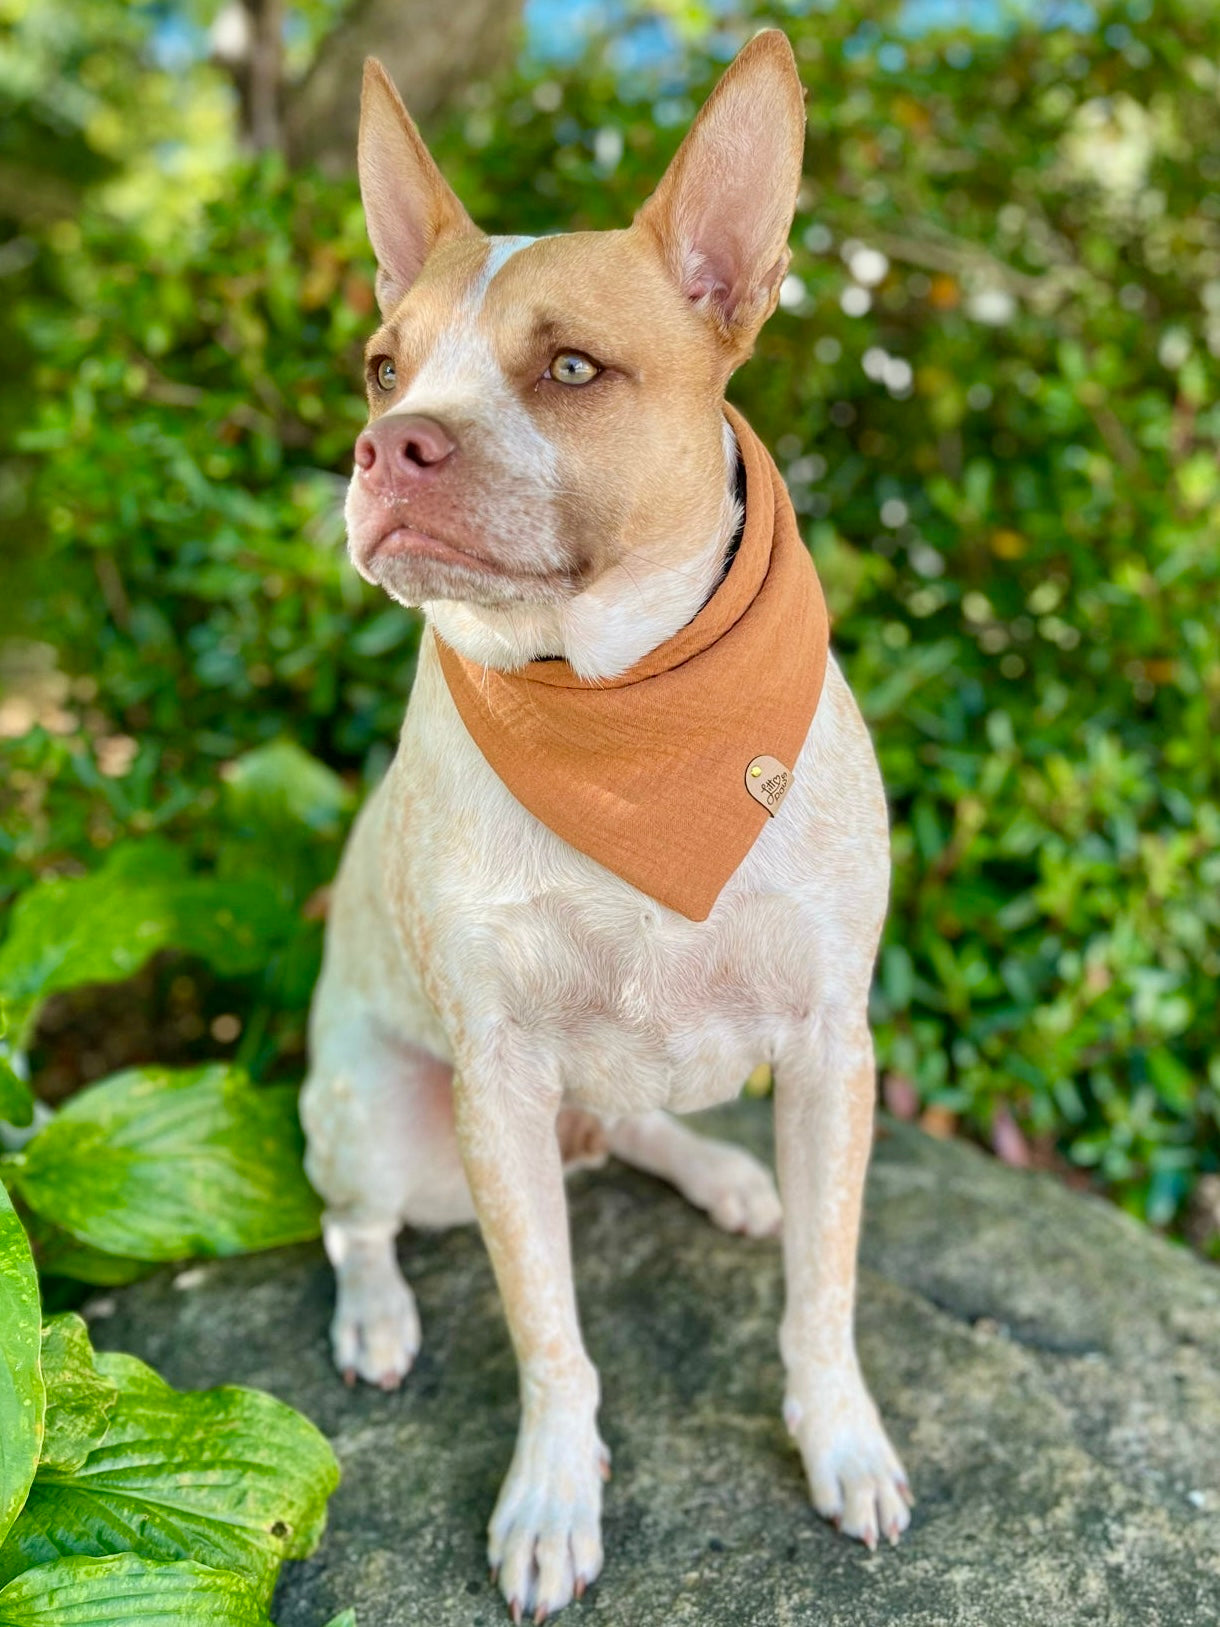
[[992, 387]]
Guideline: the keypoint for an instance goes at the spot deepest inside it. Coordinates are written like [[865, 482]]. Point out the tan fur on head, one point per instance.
[[409, 206], [722, 213], [584, 498]]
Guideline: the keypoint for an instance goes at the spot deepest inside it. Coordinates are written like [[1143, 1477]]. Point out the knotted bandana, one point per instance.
[[667, 774]]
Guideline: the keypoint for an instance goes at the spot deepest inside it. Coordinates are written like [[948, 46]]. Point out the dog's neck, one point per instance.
[[630, 609]]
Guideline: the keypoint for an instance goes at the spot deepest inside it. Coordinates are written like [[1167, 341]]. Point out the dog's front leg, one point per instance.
[[545, 1533], [824, 1098]]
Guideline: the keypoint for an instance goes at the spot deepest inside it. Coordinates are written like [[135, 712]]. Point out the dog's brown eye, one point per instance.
[[385, 373], [570, 367]]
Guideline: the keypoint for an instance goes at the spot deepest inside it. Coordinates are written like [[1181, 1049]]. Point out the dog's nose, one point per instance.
[[399, 449]]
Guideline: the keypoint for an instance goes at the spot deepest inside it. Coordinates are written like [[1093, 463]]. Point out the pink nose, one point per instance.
[[400, 450]]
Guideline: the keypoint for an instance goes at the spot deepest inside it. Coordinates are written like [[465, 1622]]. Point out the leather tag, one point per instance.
[[767, 781]]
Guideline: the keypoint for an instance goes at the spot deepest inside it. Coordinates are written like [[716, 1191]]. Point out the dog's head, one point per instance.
[[546, 440]]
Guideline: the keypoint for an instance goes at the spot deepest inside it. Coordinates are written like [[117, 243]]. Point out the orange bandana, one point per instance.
[[667, 774]]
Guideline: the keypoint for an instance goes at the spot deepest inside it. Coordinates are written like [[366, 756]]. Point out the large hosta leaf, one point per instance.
[[58, 1254], [124, 1591], [22, 1393], [230, 1477], [103, 927], [79, 1399], [156, 1164]]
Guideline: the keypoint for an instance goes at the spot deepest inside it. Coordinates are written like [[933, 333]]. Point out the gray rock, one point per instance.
[[1049, 1371]]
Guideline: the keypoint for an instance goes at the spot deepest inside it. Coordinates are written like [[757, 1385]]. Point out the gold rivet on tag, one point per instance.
[[767, 781]]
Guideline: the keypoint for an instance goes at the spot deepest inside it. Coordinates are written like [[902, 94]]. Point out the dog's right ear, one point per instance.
[[409, 207]]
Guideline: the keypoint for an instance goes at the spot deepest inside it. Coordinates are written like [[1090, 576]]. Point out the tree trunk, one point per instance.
[[248, 40], [431, 48]]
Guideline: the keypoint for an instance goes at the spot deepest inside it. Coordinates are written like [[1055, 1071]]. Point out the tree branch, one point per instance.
[[431, 48]]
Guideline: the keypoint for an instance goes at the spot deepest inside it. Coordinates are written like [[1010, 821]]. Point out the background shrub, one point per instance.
[[993, 389]]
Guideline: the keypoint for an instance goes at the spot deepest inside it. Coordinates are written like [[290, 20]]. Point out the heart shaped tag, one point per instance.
[[767, 781]]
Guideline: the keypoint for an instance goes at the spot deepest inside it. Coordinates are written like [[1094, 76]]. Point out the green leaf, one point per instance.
[[229, 1477], [16, 1097], [79, 1399], [23, 1396], [58, 1254], [157, 1165], [282, 785], [345, 1618], [282, 816], [125, 1590], [102, 928]]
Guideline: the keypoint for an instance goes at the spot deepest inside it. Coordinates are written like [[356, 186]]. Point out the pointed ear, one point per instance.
[[409, 207], [724, 208]]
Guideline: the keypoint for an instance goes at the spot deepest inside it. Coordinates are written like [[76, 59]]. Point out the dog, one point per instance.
[[548, 471]]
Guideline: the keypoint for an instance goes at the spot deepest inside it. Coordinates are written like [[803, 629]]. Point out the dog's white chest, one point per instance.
[[504, 920], [646, 1010]]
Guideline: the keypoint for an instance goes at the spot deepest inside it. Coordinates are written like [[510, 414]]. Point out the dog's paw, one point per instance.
[[375, 1332], [544, 1540], [855, 1477], [736, 1191]]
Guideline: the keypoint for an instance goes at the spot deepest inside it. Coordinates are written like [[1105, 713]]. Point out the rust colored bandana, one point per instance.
[[667, 774]]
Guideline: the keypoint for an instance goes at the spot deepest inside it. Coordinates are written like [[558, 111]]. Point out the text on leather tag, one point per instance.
[[767, 781]]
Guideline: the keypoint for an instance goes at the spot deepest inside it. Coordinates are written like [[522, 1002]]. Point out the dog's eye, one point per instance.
[[570, 367], [385, 373]]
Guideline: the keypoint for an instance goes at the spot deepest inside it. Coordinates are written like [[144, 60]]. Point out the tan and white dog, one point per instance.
[[547, 471]]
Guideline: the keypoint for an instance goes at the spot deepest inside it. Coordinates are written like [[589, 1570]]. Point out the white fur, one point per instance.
[[500, 252], [465, 931], [630, 609]]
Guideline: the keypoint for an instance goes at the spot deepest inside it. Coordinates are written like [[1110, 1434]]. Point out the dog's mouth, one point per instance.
[[414, 566], [406, 543]]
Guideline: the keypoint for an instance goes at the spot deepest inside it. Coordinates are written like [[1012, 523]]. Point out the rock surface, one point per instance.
[[1048, 1370]]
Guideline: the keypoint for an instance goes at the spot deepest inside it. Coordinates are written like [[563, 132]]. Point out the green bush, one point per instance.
[[124, 1500], [1008, 461]]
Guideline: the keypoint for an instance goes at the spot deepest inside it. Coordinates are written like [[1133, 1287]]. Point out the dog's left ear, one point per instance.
[[409, 206], [724, 208]]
